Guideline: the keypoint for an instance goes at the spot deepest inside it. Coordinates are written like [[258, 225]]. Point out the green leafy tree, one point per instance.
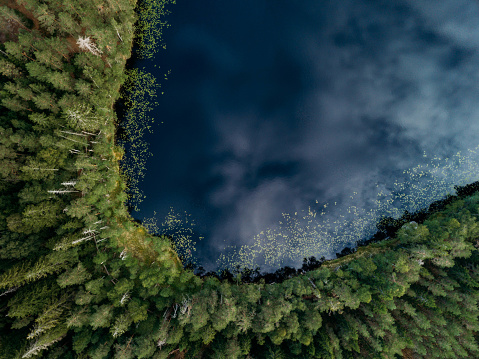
[[67, 24], [74, 276], [102, 316], [14, 16], [46, 17], [36, 217]]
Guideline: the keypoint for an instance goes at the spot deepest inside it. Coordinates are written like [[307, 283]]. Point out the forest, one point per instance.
[[80, 279]]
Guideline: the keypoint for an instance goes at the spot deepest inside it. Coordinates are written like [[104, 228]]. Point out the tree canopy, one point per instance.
[[80, 279]]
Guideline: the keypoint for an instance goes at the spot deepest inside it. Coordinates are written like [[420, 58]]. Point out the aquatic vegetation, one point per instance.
[[324, 228], [79, 278], [150, 25], [138, 93], [139, 90], [320, 230], [179, 228]]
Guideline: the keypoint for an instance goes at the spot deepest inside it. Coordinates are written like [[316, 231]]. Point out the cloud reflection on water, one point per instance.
[[271, 108]]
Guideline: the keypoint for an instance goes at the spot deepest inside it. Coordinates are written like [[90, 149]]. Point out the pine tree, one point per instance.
[[50, 317], [83, 88], [47, 57], [46, 101], [9, 69], [46, 17], [60, 80], [102, 316], [74, 276], [82, 117], [144, 348], [46, 340], [15, 48], [81, 340], [9, 160], [32, 193], [37, 217], [15, 104], [14, 16], [38, 71], [14, 277], [68, 25], [16, 89]]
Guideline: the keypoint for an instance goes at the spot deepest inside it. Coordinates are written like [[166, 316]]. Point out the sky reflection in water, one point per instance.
[[323, 108]]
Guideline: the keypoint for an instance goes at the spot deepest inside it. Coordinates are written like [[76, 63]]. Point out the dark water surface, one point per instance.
[[289, 127]]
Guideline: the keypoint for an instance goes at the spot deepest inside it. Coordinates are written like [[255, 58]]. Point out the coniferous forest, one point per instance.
[[80, 279]]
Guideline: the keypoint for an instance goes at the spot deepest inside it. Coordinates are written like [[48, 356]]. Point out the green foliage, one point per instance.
[[137, 310], [102, 316], [100, 350], [30, 301], [150, 25], [95, 286], [121, 324], [74, 276], [77, 279], [144, 348], [81, 340]]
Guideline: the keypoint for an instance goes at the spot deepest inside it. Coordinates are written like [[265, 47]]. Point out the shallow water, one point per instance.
[[287, 128]]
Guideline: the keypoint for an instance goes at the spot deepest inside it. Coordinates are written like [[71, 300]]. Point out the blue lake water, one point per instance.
[[287, 128]]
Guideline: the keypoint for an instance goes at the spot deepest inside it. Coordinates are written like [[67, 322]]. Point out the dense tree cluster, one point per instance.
[[80, 279]]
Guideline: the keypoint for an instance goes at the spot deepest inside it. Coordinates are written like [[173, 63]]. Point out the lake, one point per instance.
[[288, 128]]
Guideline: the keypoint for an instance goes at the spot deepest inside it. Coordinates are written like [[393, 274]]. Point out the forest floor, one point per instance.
[[9, 26], [8, 30]]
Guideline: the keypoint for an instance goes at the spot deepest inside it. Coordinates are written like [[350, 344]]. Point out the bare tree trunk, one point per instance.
[[118, 34], [74, 133], [70, 139], [43, 169], [61, 191], [69, 183]]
